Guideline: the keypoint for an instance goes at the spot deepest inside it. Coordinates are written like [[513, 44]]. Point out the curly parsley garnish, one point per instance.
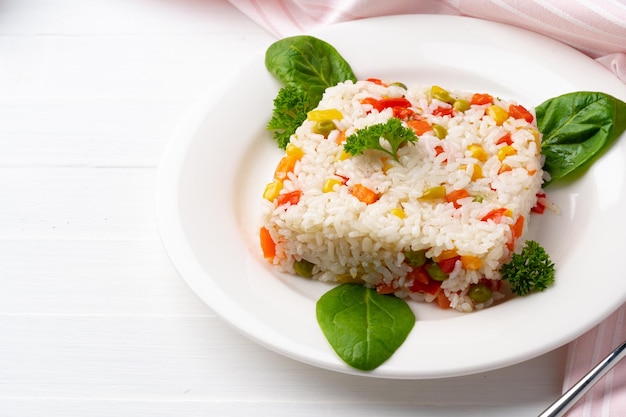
[[531, 270], [290, 108], [369, 138]]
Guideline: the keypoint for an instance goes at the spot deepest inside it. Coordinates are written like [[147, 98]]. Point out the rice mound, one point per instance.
[[321, 229]]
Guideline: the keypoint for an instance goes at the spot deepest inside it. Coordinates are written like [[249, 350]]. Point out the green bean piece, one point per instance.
[[441, 94], [479, 293], [303, 268], [434, 272], [324, 127], [415, 258]]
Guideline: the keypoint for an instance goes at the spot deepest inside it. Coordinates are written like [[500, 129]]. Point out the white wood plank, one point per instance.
[[87, 132], [91, 277], [144, 408], [201, 359], [78, 203], [146, 66]]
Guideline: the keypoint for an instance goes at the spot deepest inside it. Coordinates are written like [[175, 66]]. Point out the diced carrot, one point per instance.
[[365, 194], [370, 100], [454, 196], [439, 150], [504, 168], [419, 126], [442, 300], [518, 227], [268, 246], [341, 137], [520, 112], [383, 288], [471, 262], [285, 166], [446, 254], [481, 99]]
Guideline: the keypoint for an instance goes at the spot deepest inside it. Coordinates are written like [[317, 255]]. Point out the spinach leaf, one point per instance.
[[308, 62], [363, 327], [577, 127]]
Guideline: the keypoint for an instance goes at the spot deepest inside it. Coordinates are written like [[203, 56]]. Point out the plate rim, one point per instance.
[[166, 185]]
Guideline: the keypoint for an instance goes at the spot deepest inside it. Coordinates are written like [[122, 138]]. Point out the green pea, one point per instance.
[[399, 84], [415, 258], [440, 131], [324, 127], [303, 268], [461, 105], [479, 293], [434, 272]]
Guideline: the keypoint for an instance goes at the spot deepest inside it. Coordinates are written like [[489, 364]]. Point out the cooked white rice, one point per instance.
[[347, 240]]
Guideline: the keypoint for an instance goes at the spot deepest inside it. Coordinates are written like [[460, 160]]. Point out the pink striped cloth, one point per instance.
[[595, 27]]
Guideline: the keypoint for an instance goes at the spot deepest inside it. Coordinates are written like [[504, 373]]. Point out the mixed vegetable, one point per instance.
[[576, 129]]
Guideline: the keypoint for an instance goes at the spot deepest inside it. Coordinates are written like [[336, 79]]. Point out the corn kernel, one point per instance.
[[327, 114], [478, 152], [293, 150], [349, 279], [343, 155], [329, 185], [398, 212], [272, 190], [498, 114], [433, 193], [477, 172], [387, 165], [506, 151]]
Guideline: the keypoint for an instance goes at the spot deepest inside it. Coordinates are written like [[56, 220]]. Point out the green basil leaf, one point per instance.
[[308, 62], [363, 327], [577, 127]]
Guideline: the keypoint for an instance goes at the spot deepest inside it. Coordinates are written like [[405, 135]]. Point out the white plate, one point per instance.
[[219, 161]]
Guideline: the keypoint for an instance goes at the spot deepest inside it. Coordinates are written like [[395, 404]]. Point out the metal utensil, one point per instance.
[[567, 400]]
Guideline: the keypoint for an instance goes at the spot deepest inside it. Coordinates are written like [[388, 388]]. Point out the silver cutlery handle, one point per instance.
[[560, 406]]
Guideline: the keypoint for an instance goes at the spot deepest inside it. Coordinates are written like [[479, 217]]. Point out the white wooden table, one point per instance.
[[94, 320]]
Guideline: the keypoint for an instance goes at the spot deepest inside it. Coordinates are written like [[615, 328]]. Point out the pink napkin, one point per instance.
[[595, 27]]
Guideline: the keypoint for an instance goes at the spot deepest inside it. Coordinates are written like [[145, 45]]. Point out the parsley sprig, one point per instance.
[[369, 138], [290, 109], [531, 270]]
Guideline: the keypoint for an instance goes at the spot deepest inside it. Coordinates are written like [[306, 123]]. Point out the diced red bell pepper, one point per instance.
[[443, 111], [289, 198], [495, 215], [540, 206], [376, 81], [422, 282], [447, 265], [505, 139], [520, 112]]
